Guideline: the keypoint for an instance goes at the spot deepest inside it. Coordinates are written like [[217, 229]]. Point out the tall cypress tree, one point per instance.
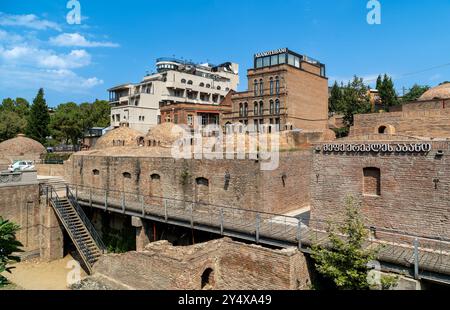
[[335, 98], [39, 118], [387, 92], [379, 82]]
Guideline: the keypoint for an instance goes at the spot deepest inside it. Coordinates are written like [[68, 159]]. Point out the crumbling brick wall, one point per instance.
[[229, 264]]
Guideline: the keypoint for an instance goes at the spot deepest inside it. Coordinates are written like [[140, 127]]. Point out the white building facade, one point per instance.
[[176, 81]]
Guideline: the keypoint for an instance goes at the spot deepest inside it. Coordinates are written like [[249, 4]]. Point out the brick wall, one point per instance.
[[248, 188], [409, 200], [414, 120], [234, 266]]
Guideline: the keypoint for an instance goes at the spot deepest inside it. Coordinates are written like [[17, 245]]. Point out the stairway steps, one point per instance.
[[81, 236]]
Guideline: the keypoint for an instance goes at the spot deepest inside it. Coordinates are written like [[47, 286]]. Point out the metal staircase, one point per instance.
[[78, 226]]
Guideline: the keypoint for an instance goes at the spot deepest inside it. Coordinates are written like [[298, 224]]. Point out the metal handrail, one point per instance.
[[94, 234], [55, 201]]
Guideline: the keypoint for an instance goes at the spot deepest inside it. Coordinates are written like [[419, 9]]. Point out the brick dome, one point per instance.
[[164, 134], [438, 92], [121, 136], [21, 146]]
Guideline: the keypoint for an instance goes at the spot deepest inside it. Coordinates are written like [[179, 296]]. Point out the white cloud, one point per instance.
[[28, 21], [42, 58], [9, 37], [78, 40], [61, 80]]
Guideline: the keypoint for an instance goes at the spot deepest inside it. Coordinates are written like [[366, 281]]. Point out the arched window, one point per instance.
[[245, 109], [277, 85], [155, 177], [126, 175], [372, 181], [202, 181], [261, 108], [271, 107], [271, 86], [255, 87], [141, 141], [241, 109], [207, 278], [183, 81], [95, 172], [277, 106], [190, 82], [382, 129], [261, 87], [255, 108]]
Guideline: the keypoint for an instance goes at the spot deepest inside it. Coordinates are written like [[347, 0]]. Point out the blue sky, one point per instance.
[[118, 41]]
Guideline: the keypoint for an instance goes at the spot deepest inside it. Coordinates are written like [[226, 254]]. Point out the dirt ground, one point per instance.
[[37, 275]]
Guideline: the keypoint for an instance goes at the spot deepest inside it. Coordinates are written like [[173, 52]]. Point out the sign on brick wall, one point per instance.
[[377, 148]]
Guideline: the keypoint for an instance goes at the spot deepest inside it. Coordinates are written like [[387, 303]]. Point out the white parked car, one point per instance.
[[21, 165]]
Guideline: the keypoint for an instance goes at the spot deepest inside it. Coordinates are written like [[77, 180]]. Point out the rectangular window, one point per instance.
[[282, 58], [297, 62], [266, 61], [290, 59], [259, 63], [159, 119], [274, 60], [190, 120], [175, 118]]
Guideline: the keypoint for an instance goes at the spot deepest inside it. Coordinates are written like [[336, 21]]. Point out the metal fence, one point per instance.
[[394, 245]]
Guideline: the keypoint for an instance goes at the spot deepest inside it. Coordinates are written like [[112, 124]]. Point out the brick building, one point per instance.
[[194, 114], [285, 89]]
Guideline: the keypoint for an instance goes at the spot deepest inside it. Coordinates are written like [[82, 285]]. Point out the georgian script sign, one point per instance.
[[274, 52], [377, 148]]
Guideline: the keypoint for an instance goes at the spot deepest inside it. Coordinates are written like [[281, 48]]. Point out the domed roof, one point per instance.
[[438, 92], [21, 146], [165, 134], [121, 136]]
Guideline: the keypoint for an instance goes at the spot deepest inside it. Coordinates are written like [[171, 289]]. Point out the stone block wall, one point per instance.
[[51, 170], [20, 204]]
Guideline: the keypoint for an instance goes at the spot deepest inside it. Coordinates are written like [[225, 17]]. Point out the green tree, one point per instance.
[[415, 92], [345, 260], [355, 100], [8, 246], [66, 123], [11, 124], [387, 92], [39, 118], [22, 107], [335, 98], [379, 82]]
